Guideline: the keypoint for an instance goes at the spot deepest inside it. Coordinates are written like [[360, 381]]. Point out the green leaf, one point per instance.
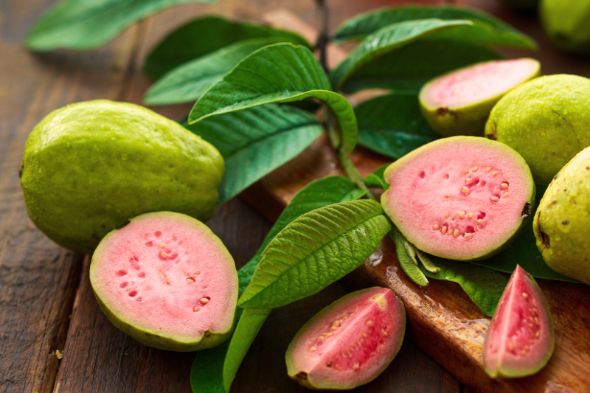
[[273, 74], [189, 81], [203, 36], [483, 286], [256, 141], [524, 252], [408, 264], [392, 124], [88, 24], [315, 250], [249, 324], [206, 373], [427, 262], [412, 65], [377, 179], [388, 39], [492, 32]]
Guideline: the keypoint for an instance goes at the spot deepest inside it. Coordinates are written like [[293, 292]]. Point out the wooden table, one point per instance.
[[52, 335]]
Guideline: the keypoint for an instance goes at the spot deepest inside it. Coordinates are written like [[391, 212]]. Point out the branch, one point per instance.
[[323, 37]]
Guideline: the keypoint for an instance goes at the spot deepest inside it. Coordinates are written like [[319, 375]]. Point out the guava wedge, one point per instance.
[[459, 102], [546, 120], [91, 166], [562, 221], [520, 339], [350, 342], [167, 281], [459, 198]]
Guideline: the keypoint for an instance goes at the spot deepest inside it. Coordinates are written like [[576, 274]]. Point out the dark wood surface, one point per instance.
[[52, 336]]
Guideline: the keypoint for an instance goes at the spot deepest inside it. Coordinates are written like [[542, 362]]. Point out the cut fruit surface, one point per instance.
[[520, 339], [459, 198], [460, 102], [350, 342], [166, 280]]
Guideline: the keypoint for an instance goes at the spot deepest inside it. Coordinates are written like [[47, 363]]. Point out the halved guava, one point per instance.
[[520, 339], [350, 342], [459, 102], [166, 280], [459, 198]]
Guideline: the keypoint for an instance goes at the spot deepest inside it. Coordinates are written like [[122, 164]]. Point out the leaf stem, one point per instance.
[[323, 37], [353, 173]]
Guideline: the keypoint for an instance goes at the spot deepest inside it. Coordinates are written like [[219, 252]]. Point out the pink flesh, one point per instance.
[[443, 198], [516, 339], [477, 83], [167, 275], [354, 341]]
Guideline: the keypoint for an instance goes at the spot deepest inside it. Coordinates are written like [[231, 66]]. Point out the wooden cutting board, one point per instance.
[[442, 320]]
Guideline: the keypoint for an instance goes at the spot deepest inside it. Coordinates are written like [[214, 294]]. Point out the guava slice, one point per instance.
[[166, 280], [459, 198], [520, 339], [459, 102], [350, 342]]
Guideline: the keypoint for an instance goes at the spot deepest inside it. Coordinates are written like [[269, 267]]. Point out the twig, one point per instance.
[[323, 38]]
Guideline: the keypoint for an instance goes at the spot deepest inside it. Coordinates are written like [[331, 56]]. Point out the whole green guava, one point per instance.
[[562, 221], [546, 120], [567, 23], [91, 166]]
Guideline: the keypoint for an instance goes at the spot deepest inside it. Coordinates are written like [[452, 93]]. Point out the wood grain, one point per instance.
[[37, 278]]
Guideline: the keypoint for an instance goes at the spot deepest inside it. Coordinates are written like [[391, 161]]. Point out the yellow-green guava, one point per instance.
[[567, 23], [562, 221], [546, 120], [459, 102], [91, 166]]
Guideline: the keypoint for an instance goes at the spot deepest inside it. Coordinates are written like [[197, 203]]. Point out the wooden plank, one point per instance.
[[444, 322], [38, 279]]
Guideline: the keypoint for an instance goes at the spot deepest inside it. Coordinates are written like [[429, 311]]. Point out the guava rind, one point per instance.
[[159, 338], [562, 220], [310, 376], [520, 284], [566, 23], [546, 120], [91, 166], [466, 119], [520, 214]]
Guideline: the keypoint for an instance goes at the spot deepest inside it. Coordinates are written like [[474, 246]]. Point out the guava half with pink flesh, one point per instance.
[[459, 198], [459, 102], [520, 339], [350, 342], [166, 280]]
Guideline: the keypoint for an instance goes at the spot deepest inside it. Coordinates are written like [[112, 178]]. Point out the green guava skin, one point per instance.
[[91, 166], [154, 339], [463, 120], [567, 23], [562, 221], [546, 120]]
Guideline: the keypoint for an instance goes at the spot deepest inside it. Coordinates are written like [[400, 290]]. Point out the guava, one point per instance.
[[562, 221], [91, 166], [567, 23], [520, 339], [459, 102], [350, 342], [460, 198], [546, 120], [167, 281]]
